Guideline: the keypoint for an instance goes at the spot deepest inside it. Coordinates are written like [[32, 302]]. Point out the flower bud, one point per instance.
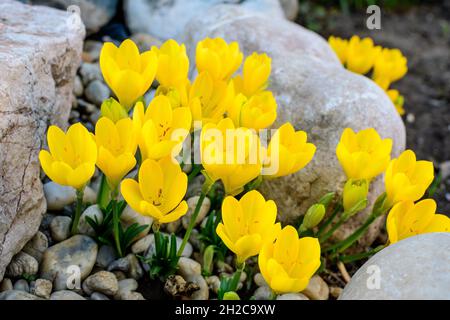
[[313, 216], [113, 110], [355, 196], [231, 295], [326, 199]]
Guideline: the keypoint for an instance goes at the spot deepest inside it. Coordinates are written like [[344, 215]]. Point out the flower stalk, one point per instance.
[[78, 209]]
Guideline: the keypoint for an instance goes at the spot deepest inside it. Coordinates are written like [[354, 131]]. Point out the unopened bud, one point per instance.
[[313, 216], [355, 196]]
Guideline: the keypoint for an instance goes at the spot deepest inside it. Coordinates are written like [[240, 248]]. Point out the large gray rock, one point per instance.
[[18, 295], [416, 268], [58, 261], [94, 13], [40, 50], [315, 93], [167, 19]]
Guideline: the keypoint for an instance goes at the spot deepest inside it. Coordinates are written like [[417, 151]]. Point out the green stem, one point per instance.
[[195, 171], [103, 193], [330, 219], [359, 256], [205, 189], [78, 209], [273, 296], [116, 222]]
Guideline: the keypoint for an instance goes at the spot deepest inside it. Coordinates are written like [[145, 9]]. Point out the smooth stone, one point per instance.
[[93, 49], [335, 292], [188, 267], [59, 196], [42, 288], [167, 19], [416, 268], [290, 8], [78, 87], [58, 261], [60, 228], [132, 296], [125, 286], [99, 296], [90, 72], [172, 227], [40, 51], [317, 289], [259, 280], [97, 92], [292, 296], [130, 265], [22, 263], [37, 246], [213, 283], [6, 285], [92, 212], [106, 255], [192, 203], [17, 295], [22, 285], [66, 295], [103, 281], [262, 293], [130, 217]]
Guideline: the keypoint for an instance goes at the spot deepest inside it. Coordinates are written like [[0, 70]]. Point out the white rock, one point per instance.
[[416, 268], [262, 293], [36, 246], [188, 267], [39, 60], [292, 296], [66, 295], [167, 19], [259, 280], [317, 289], [59, 259], [213, 283], [60, 228], [132, 296], [315, 93], [203, 292], [59, 196], [204, 209], [125, 286], [94, 213]]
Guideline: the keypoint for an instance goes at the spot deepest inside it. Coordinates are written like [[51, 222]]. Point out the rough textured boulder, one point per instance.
[[412, 269], [167, 19], [315, 93], [40, 50]]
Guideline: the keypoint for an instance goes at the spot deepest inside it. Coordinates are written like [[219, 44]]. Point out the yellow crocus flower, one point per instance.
[[159, 192], [72, 157], [340, 47], [219, 58], [407, 219], [258, 112], [407, 179], [361, 54], [390, 64], [255, 74], [128, 73], [288, 152], [117, 144], [363, 155], [113, 110], [397, 100], [173, 64], [230, 154], [163, 129], [209, 98], [288, 264], [247, 224]]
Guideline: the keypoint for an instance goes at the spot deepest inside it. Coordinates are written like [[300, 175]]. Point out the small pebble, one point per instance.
[[6, 285], [292, 296], [259, 280], [99, 296], [106, 255], [262, 293], [22, 285], [65, 295], [90, 72], [125, 286], [21, 264], [104, 282], [60, 228], [317, 289], [192, 203], [188, 267], [213, 283], [78, 87], [97, 92], [335, 292], [36, 246], [132, 296]]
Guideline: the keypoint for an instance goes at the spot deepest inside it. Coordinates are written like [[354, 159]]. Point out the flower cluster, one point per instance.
[[362, 55]]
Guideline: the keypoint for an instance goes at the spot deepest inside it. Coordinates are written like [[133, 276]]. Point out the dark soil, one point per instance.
[[422, 33]]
